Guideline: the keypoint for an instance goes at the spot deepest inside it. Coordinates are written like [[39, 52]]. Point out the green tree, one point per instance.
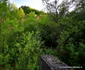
[[4, 10], [21, 13], [13, 11], [13, 7], [58, 8]]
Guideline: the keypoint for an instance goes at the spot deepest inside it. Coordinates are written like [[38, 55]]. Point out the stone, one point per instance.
[[50, 62]]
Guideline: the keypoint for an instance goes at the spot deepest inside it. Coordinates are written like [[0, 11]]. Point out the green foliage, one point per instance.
[[23, 38], [19, 48], [19, 41], [27, 10], [21, 13], [29, 55], [71, 41], [31, 24], [32, 15], [49, 31], [3, 14], [13, 7]]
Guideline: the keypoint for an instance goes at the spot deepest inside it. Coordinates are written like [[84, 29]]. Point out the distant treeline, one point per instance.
[[28, 9]]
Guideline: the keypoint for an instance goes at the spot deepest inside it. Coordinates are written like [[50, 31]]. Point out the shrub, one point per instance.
[[49, 31], [19, 49], [70, 41], [29, 55]]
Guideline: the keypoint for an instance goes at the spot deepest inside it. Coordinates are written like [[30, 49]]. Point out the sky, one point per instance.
[[36, 4]]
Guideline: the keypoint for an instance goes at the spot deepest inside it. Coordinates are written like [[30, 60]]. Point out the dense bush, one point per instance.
[[29, 55], [19, 48], [71, 42], [49, 31], [24, 37]]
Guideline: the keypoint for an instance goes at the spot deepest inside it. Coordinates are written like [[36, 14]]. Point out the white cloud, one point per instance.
[[37, 4], [18, 5], [11, 1]]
